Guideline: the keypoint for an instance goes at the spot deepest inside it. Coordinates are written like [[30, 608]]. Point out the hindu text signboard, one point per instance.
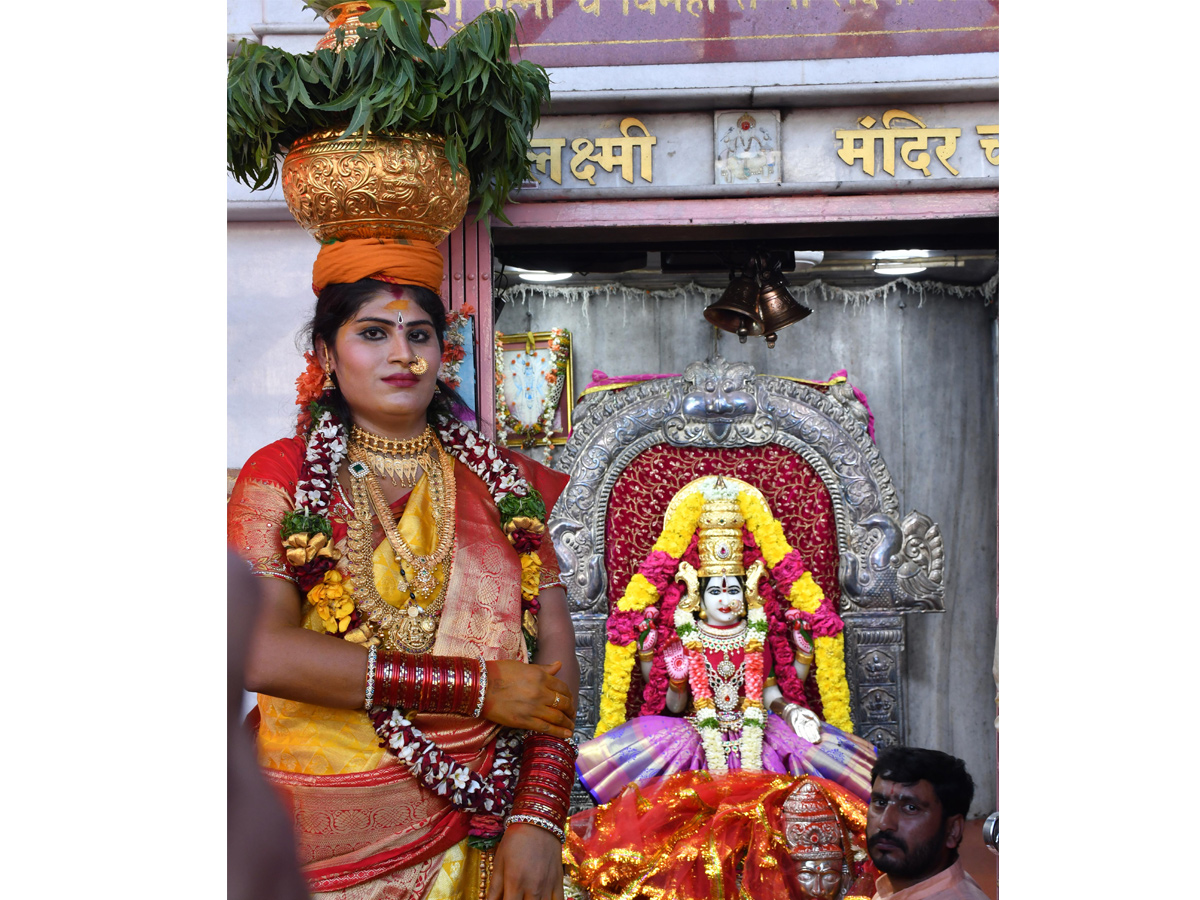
[[642, 32], [848, 147]]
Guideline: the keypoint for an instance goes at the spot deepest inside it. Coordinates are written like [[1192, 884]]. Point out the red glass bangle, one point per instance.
[[431, 684], [394, 681], [544, 785]]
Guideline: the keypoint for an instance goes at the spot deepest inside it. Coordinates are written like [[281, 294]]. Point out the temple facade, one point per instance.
[[849, 151]]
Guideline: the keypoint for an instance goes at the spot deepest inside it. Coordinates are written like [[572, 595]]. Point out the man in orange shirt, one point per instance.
[[919, 801]]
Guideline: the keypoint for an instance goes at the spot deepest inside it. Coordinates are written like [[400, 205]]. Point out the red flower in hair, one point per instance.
[[308, 385]]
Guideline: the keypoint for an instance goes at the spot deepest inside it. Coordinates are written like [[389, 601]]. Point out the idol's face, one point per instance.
[[372, 359], [908, 836], [819, 879], [723, 601]]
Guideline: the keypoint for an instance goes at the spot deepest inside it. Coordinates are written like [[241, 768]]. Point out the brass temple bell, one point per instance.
[[737, 310], [757, 302], [777, 306]]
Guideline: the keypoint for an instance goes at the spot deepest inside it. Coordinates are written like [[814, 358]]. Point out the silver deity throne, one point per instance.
[[885, 565]]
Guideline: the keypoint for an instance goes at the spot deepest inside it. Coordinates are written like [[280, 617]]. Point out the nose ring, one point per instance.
[[419, 366]]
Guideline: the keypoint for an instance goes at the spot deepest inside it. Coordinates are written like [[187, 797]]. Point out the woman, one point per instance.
[[722, 678], [402, 554]]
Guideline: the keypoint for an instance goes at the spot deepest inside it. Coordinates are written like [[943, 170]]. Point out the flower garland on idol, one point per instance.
[[653, 583], [795, 582], [307, 536], [753, 715]]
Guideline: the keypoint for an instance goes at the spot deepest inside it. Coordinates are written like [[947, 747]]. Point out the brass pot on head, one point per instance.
[[777, 306], [737, 310]]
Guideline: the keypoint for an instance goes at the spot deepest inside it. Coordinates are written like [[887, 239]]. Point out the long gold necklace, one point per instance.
[[400, 461], [412, 628]]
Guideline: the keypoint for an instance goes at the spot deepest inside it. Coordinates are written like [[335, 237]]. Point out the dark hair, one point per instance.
[[337, 304], [948, 774]]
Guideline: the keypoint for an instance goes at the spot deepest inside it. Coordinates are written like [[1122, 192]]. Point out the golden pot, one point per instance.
[[344, 15], [389, 186]]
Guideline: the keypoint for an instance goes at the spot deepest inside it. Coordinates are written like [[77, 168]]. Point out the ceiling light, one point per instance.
[[539, 275], [884, 264]]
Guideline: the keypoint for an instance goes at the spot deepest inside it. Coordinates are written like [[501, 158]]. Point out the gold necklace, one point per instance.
[[413, 628], [401, 461]]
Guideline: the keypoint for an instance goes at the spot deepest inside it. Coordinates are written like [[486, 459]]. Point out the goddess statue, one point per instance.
[[725, 709]]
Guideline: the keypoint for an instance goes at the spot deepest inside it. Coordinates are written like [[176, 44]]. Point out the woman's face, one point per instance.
[[723, 600], [372, 355]]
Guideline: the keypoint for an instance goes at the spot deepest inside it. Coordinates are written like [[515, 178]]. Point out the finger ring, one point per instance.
[[556, 698]]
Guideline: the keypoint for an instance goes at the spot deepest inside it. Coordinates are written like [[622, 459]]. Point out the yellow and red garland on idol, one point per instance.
[[654, 582]]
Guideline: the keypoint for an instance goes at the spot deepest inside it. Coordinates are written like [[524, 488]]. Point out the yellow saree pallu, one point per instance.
[[366, 828]]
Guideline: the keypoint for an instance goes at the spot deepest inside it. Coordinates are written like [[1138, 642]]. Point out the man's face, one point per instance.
[[908, 837]]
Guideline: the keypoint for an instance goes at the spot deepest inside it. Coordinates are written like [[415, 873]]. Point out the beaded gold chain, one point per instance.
[[413, 628]]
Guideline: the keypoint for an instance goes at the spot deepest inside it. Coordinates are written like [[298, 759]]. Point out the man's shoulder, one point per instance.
[[964, 888], [969, 888], [954, 883]]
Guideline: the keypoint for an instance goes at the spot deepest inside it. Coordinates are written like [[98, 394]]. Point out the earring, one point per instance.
[[703, 614], [328, 385], [419, 366]]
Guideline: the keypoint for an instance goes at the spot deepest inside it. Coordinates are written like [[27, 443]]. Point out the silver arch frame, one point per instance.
[[888, 566]]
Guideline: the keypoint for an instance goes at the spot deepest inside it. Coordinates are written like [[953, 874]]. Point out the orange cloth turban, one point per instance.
[[397, 260]]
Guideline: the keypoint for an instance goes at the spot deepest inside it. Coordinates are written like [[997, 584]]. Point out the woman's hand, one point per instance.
[[527, 865], [529, 697]]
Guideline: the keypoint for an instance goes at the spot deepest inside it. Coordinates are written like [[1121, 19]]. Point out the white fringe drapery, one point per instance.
[[806, 293]]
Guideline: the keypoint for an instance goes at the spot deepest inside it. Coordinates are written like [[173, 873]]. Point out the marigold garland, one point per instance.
[[640, 593], [618, 668], [788, 571], [677, 533], [807, 596], [334, 600]]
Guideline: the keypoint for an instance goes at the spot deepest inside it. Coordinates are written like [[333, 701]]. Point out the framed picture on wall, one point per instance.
[[534, 390], [458, 360]]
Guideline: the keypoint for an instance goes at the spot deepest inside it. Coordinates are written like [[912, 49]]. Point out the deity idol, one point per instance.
[[825, 832], [724, 707]]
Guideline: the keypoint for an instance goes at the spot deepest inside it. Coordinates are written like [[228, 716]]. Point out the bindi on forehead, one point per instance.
[[400, 306]]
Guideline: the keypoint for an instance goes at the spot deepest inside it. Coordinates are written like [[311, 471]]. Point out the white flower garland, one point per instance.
[[465, 788], [753, 715], [326, 448]]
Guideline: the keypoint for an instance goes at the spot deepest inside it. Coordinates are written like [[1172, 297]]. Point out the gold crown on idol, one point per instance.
[[720, 541]]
